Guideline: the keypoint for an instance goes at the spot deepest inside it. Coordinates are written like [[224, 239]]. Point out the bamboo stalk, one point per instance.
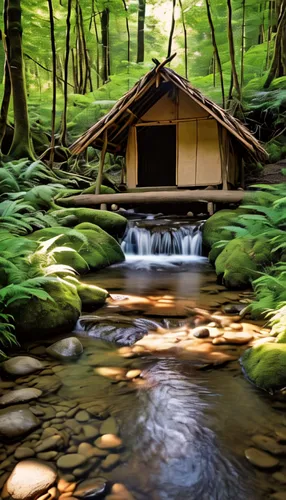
[[101, 165]]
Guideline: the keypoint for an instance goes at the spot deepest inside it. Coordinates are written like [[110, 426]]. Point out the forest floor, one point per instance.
[[271, 174]]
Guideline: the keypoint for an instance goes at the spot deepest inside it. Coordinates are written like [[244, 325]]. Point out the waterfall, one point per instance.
[[162, 240]]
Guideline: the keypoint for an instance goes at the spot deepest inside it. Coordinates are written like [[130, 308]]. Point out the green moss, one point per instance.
[[112, 223], [91, 295], [214, 228], [92, 243], [265, 365], [38, 318], [241, 259], [103, 190], [72, 259]]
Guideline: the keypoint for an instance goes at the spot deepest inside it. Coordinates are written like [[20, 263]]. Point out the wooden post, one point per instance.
[[101, 164]]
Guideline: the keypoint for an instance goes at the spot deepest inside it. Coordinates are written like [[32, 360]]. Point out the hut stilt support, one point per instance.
[[101, 164]]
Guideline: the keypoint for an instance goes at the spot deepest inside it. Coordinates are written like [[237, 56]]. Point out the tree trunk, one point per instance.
[[278, 64], [21, 145], [127, 31], [140, 30], [66, 74], [172, 29], [216, 50], [7, 81], [242, 44], [54, 58], [97, 44], [104, 19], [232, 51], [185, 39], [84, 54]]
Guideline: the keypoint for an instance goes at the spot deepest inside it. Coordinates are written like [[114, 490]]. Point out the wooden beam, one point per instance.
[[219, 196], [101, 165], [169, 122]]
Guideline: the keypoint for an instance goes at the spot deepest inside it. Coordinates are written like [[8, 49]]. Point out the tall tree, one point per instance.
[[278, 64], [127, 30], [54, 59], [66, 75], [232, 52], [104, 19], [140, 30], [242, 44], [22, 144], [185, 39], [172, 29], [212, 28], [7, 80]]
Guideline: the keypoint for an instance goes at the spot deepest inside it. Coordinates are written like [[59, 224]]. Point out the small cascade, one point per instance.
[[162, 240]]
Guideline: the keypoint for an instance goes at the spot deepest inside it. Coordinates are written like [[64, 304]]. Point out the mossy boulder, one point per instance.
[[265, 365], [239, 262], [214, 229], [35, 318], [91, 295], [110, 222], [93, 244], [70, 257]]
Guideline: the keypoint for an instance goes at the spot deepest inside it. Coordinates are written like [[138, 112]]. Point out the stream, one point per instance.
[[183, 423]]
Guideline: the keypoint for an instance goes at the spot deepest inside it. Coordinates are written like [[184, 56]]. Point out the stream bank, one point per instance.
[[177, 422]]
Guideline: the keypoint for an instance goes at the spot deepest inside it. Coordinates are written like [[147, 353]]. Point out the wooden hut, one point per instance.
[[172, 136]]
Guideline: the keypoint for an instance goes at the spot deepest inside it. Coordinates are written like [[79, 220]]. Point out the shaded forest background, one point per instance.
[[80, 56]]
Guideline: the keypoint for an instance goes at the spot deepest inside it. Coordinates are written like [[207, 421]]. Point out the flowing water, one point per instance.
[[184, 429]]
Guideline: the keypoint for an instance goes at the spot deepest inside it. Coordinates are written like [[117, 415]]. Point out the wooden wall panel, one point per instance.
[[164, 109], [189, 108], [131, 159], [187, 153], [208, 156]]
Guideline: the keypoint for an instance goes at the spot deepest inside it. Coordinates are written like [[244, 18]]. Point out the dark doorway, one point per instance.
[[156, 155]]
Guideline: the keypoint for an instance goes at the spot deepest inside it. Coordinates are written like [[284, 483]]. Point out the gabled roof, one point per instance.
[[145, 93]]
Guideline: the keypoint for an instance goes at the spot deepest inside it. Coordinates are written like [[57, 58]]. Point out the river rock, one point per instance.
[[133, 374], [268, 444], [23, 452], [15, 422], [48, 384], [50, 443], [201, 332], [71, 461], [82, 416], [68, 348], [108, 441], [109, 426], [19, 396], [29, 479], [260, 458], [21, 365], [237, 338], [90, 432], [279, 495], [110, 461], [91, 488], [280, 477]]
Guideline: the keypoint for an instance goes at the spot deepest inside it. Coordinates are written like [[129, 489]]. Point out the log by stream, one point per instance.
[[216, 196]]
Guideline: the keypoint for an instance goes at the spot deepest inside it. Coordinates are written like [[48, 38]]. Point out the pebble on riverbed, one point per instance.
[[261, 459]]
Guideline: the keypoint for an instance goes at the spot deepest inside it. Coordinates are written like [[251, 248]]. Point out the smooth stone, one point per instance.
[[110, 461], [19, 396], [98, 411], [85, 449], [237, 338], [91, 488], [23, 452], [237, 327], [21, 365], [65, 486], [233, 308], [280, 477], [281, 435], [47, 455], [82, 416], [38, 351], [68, 348], [37, 411], [15, 422], [29, 479], [109, 426], [201, 332], [268, 444], [49, 384], [71, 461], [49, 412], [99, 453], [90, 432], [260, 458], [6, 385], [108, 441], [279, 495], [133, 374], [50, 443], [48, 432], [119, 491]]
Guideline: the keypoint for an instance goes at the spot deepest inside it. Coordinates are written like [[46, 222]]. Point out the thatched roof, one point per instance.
[[145, 93]]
